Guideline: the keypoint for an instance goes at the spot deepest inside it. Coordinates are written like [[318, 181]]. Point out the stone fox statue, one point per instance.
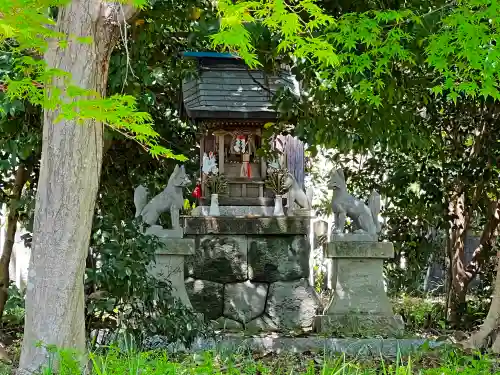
[[170, 199], [297, 195], [343, 205]]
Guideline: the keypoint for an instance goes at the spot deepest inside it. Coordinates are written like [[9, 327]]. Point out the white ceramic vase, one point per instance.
[[214, 205], [278, 206]]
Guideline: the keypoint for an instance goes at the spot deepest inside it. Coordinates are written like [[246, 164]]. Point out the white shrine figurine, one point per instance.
[[209, 163]]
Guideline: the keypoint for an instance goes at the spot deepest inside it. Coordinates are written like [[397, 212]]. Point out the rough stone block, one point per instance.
[[221, 259], [206, 297], [171, 268], [278, 258], [226, 324], [292, 304], [360, 249], [359, 325], [359, 287], [244, 301], [261, 324]]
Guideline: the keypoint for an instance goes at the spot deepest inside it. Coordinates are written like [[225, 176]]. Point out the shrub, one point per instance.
[[420, 313], [13, 315], [122, 296]]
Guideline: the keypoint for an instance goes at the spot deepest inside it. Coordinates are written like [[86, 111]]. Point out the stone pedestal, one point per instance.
[[169, 264], [360, 305], [252, 273]]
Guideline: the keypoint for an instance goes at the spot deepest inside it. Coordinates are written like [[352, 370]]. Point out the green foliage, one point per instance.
[[123, 296], [386, 62], [465, 51], [13, 315], [24, 33], [217, 183], [421, 314], [277, 181], [425, 362]]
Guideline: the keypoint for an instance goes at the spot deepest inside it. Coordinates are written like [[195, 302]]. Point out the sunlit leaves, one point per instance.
[[465, 51], [26, 27], [354, 44]]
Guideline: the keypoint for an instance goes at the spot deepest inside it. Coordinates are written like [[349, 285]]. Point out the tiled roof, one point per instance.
[[229, 90]]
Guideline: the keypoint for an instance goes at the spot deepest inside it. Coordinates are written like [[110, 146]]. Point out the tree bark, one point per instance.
[[12, 219], [69, 177], [489, 331], [463, 273], [456, 249]]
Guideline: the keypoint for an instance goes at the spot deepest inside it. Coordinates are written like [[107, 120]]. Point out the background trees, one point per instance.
[[411, 87], [414, 83]]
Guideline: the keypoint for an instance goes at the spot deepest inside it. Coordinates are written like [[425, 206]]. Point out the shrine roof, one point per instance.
[[225, 88]]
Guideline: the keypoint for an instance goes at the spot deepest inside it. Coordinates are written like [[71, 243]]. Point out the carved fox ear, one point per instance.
[[340, 172]]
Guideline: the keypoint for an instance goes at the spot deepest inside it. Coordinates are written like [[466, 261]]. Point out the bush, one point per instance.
[[13, 315], [420, 314], [122, 296]]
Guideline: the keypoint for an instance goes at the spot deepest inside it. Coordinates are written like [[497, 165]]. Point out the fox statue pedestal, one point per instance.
[[169, 264], [360, 304]]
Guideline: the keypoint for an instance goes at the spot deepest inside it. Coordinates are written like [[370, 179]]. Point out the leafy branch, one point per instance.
[[25, 26]]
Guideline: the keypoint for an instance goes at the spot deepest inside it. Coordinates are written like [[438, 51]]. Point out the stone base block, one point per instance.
[[162, 233], [169, 265], [353, 237], [304, 212], [364, 325], [360, 249], [177, 247], [235, 211]]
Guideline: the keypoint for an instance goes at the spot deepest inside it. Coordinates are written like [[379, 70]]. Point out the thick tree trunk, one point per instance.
[[69, 177], [456, 249], [462, 273], [12, 219], [489, 332]]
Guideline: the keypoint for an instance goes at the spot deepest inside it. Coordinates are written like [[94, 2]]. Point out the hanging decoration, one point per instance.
[[246, 168], [240, 144]]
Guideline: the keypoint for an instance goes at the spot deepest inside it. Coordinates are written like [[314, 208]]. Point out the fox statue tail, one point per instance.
[[374, 205], [140, 199]]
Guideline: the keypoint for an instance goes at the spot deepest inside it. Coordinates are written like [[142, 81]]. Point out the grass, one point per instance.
[[449, 361]]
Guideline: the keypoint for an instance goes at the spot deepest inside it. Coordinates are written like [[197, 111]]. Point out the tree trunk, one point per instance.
[[12, 219], [456, 250], [489, 331], [69, 177], [462, 273]]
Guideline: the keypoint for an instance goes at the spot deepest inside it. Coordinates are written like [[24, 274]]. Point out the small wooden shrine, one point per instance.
[[230, 104]]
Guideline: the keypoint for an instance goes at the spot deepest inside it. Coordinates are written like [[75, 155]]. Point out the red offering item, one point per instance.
[[197, 192]]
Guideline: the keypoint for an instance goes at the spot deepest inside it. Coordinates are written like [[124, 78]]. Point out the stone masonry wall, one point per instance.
[[253, 275]]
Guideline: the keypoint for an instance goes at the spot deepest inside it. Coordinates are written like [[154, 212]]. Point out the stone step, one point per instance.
[[241, 201]]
